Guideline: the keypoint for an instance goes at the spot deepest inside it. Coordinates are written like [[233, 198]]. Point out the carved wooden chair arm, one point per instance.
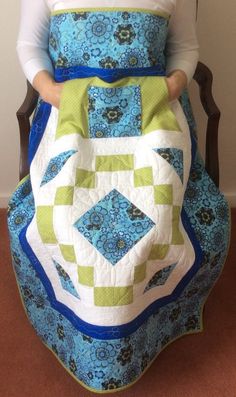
[[23, 116], [203, 76]]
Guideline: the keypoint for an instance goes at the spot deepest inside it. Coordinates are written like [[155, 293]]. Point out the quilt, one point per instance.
[[109, 238]]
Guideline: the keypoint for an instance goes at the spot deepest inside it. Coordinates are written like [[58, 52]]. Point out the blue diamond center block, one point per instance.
[[114, 225]]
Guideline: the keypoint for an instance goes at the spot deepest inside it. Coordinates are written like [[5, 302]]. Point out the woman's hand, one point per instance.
[[48, 89], [176, 82], [53, 94]]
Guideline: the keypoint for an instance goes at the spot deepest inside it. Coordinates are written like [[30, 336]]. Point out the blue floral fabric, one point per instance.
[[66, 282], [114, 225], [114, 112], [138, 39], [114, 39], [55, 165], [160, 277]]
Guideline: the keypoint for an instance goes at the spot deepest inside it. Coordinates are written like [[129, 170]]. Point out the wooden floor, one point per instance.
[[202, 365]]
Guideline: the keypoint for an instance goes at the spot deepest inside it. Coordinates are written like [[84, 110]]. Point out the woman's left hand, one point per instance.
[[176, 82]]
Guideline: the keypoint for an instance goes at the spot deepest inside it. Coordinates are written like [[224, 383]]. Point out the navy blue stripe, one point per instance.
[[38, 127], [108, 75], [115, 332]]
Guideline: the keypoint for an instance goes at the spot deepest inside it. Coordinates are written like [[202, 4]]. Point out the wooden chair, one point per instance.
[[203, 76]]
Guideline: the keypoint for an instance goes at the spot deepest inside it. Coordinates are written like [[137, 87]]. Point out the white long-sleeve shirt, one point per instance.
[[32, 44]]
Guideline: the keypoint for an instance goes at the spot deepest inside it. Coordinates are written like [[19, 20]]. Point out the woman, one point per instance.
[[119, 234]]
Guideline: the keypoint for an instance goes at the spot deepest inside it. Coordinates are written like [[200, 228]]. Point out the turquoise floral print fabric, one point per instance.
[[160, 277], [114, 39], [66, 282], [114, 225], [114, 112], [55, 165]]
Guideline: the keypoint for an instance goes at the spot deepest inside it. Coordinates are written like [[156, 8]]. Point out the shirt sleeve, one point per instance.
[[182, 44], [32, 42]]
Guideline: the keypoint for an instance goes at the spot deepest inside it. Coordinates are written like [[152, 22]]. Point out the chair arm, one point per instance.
[[203, 76], [23, 116]]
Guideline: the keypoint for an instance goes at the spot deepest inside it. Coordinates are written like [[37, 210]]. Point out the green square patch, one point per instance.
[[163, 194], [113, 296], [85, 178], [44, 216], [115, 162], [139, 273], [177, 237], [143, 177], [158, 251], [86, 275], [64, 195], [68, 252]]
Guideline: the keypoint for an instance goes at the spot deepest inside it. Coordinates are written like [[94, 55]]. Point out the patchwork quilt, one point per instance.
[[109, 200]]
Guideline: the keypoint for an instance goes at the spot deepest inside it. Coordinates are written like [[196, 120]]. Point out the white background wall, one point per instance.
[[217, 38]]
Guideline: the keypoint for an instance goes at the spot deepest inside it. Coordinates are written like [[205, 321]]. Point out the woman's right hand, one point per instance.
[[53, 94], [48, 88]]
